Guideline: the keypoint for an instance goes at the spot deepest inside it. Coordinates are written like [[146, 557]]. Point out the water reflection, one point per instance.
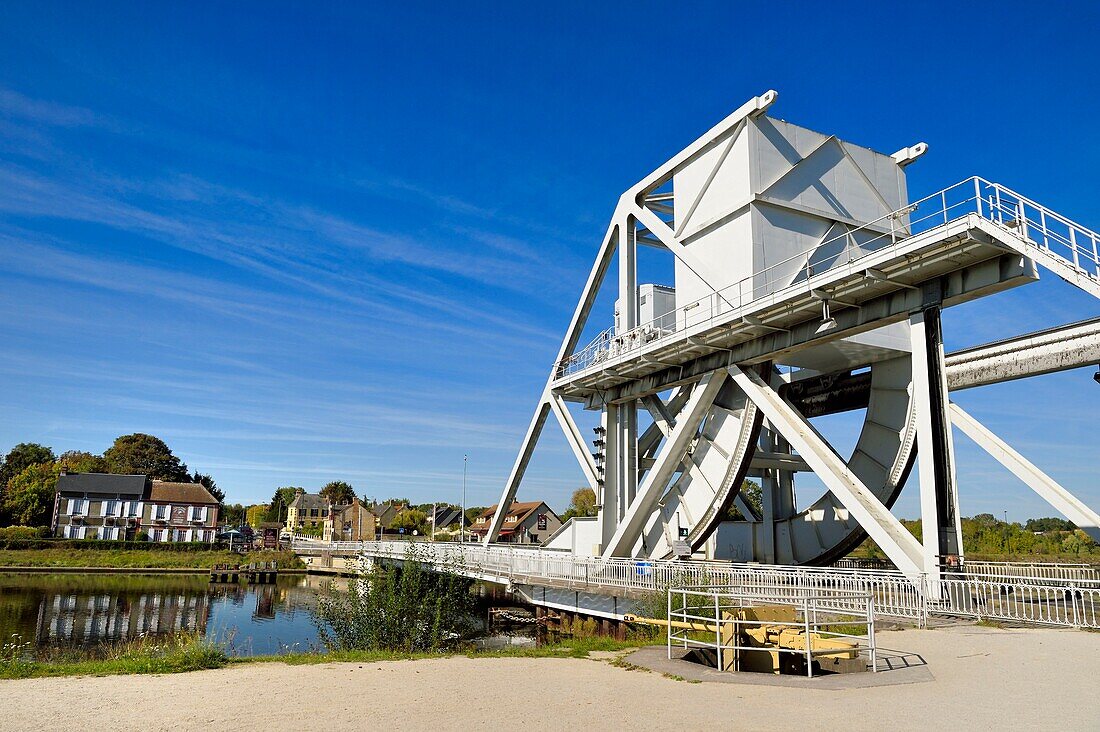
[[89, 611], [76, 619], [92, 611]]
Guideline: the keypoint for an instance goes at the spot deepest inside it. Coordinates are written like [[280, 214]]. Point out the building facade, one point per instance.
[[99, 506], [531, 522], [350, 522], [308, 511], [180, 512], [102, 506]]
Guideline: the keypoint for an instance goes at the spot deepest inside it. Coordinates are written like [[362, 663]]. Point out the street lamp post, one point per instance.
[[462, 523]]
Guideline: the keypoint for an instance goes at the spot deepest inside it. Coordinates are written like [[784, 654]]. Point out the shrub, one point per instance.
[[23, 532], [409, 609]]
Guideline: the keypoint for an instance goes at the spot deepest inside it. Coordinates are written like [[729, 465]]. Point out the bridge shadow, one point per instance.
[[893, 660]]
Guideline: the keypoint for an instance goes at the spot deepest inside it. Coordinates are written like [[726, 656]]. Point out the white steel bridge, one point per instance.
[[807, 284]]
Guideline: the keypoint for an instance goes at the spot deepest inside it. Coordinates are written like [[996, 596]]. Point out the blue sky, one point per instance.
[[303, 242]]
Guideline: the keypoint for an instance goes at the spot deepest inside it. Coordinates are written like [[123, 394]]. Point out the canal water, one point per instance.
[[91, 611]]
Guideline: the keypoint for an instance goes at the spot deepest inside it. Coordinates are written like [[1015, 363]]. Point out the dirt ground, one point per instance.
[[969, 678]]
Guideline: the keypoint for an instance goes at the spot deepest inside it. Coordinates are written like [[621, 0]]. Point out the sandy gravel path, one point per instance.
[[979, 678]]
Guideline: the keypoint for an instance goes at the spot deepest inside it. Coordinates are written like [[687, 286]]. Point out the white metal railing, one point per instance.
[[895, 594], [1019, 601], [1053, 573], [1046, 234], [1029, 593], [713, 618]]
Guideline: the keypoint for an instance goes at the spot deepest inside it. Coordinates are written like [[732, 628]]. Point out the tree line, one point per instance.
[[986, 536], [29, 473]]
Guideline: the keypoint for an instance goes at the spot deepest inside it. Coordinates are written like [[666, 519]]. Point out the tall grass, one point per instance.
[[146, 655]]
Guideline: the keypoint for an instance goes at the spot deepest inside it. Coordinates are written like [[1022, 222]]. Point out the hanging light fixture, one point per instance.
[[827, 321]]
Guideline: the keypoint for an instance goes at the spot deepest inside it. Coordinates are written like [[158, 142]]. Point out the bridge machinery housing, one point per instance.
[[807, 283]]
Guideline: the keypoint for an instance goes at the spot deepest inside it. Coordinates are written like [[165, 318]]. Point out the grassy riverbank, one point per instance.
[[143, 558], [192, 653], [141, 656]]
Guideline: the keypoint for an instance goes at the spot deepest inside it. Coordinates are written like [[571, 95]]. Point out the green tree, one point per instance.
[[411, 520], [256, 515], [472, 513], [78, 461], [21, 457], [233, 514], [141, 454], [30, 495], [751, 492], [276, 510], [207, 482], [583, 504], [1049, 524], [338, 492]]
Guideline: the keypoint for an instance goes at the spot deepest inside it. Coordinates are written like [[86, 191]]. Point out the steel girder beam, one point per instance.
[[1032, 354], [704, 144], [575, 440], [941, 523], [534, 430], [651, 438], [1047, 488], [569, 343], [894, 539], [667, 463]]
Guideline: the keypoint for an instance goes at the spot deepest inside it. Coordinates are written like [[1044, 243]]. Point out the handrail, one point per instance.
[[1066, 601], [1034, 225]]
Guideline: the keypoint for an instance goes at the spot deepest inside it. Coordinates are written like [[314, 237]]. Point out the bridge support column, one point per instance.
[[941, 523]]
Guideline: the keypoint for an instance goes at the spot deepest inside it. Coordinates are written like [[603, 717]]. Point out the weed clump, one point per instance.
[[408, 609]]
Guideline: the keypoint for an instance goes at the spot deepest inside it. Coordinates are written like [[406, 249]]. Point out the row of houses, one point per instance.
[[105, 506], [102, 506], [531, 522]]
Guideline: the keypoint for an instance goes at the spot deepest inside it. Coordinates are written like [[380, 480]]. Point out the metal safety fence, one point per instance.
[[1066, 595], [720, 619]]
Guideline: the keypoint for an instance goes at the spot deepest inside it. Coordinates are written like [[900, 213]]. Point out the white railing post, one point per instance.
[[718, 631], [668, 628], [807, 637]]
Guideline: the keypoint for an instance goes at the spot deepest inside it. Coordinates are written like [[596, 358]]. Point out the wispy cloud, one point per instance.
[[15, 104]]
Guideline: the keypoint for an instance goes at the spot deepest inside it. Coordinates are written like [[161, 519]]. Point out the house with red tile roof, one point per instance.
[[530, 522]]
